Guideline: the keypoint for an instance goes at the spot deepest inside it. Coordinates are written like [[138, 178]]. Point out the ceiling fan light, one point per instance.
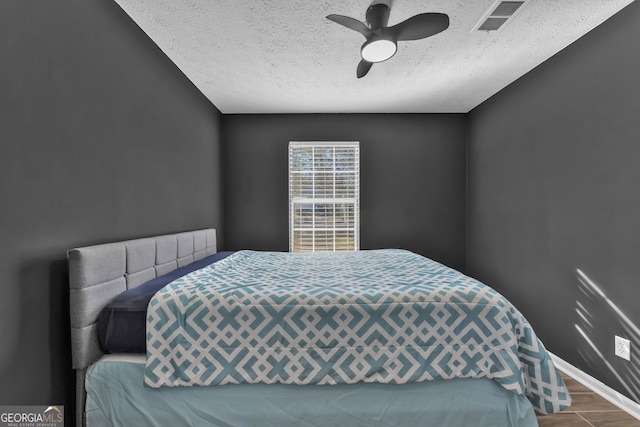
[[378, 50]]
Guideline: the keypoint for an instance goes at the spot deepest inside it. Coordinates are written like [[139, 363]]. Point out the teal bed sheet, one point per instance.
[[116, 396]]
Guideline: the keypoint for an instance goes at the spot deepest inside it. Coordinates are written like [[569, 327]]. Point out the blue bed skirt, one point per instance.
[[116, 397]]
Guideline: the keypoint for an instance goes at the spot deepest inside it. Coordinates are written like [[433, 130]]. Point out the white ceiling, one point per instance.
[[283, 56]]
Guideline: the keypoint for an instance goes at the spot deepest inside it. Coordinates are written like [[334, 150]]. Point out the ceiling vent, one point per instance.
[[498, 15]]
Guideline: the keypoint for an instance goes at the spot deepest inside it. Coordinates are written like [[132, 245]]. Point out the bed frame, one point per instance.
[[99, 273]]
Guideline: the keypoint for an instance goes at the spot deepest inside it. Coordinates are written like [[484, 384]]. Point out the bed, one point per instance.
[[242, 341]]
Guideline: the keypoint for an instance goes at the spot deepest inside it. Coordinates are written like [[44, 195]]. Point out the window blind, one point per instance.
[[324, 196]]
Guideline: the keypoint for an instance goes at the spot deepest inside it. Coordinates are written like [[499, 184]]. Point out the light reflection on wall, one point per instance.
[[594, 302]]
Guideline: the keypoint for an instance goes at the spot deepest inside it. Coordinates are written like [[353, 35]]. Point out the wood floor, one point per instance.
[[587, 410]]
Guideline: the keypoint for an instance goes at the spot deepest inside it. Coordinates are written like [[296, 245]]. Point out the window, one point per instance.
[[324, 196]]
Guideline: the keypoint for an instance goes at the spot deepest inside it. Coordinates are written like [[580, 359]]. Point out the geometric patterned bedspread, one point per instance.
[[386, 316]]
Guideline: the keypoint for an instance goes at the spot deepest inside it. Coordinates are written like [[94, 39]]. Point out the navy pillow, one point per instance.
[[122, 323]]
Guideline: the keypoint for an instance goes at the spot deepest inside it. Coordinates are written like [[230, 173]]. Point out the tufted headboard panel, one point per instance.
[[99, 273]]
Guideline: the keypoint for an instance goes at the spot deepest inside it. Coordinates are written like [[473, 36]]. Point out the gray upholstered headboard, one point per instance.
[[99, 273]]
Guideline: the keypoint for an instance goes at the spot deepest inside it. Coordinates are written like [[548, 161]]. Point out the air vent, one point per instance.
[[507, 8], [492, 24], [498, 15]]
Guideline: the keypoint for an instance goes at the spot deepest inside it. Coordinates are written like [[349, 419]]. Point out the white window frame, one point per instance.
[[353, 199]]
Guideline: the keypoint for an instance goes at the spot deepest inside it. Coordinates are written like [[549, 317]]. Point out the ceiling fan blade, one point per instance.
[[363, 68], [419, 26], [352, 24]]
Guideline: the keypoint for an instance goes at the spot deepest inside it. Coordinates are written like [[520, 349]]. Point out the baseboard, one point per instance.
[[621, 401]]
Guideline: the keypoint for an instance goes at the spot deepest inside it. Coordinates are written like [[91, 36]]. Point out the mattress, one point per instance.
[[384, 316], [116, 397]]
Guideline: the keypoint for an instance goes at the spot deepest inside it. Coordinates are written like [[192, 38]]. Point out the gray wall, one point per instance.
[[102, 138], [412, 178], [554, 200]]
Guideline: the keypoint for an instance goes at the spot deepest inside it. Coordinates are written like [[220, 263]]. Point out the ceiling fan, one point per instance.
[[381, 43]]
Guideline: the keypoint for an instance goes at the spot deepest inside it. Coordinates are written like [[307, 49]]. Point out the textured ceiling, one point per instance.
[[283, 56]]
